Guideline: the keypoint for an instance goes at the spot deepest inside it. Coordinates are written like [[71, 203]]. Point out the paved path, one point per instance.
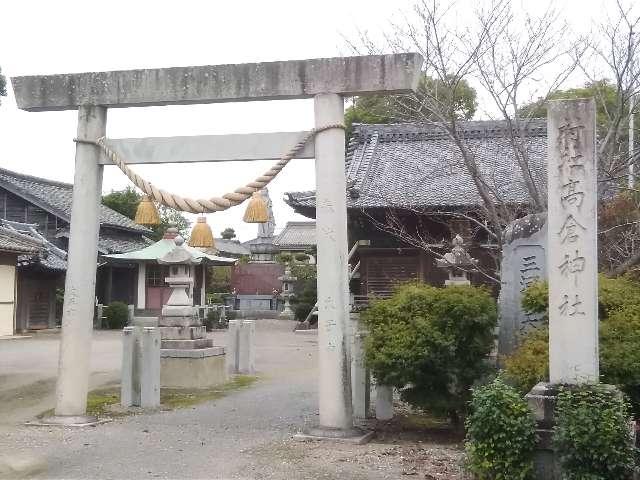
[[245, 435]]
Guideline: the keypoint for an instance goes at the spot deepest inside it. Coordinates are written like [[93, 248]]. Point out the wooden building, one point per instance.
[[41, 208], [31, 270], [406, 185]]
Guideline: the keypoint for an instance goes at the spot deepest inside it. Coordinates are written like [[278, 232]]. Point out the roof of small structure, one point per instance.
[[159, 249], [55, 198], [410, 165], [110, 242], [33, 248], [297, 235], [233, 247]]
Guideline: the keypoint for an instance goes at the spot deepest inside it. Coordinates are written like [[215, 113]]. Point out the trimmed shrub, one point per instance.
[[619, 340], [529, 364], [592, 434], [620, 352], [431, 343], [501, 434], [116, 315]]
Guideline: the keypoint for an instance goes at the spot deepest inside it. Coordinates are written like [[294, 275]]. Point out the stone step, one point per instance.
[[183, 333]]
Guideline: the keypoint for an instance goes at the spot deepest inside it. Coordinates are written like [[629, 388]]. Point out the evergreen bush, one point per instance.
[[116, 315], [431, 343], [500, 434], [592, 435]]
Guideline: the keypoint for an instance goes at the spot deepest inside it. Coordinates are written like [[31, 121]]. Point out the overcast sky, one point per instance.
[[41, 37]]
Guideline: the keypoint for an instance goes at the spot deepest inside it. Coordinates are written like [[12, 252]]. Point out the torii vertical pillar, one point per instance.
[[77, 316], [331, 236]]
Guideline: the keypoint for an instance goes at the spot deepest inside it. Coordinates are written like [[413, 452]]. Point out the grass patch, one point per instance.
[[179, 398], [104, 402]]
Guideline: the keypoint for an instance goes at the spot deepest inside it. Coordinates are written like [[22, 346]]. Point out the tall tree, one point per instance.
[[506, 55], [228, 233], [379, 108], [126, 202]]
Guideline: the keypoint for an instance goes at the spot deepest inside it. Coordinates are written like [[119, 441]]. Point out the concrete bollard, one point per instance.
[[246, 350], [384, 402], [131, 313], [233, 338], [150, 367]]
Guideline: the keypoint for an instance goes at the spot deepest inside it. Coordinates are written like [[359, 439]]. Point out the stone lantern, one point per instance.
[[458, 263], [188, 358], [287, 292]]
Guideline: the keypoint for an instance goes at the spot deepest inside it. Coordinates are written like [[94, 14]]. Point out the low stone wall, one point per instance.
[[254, 314]]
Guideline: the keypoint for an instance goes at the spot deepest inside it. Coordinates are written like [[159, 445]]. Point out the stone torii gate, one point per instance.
[[326, 80]]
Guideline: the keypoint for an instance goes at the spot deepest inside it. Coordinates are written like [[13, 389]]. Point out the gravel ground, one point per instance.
[[245, 435]]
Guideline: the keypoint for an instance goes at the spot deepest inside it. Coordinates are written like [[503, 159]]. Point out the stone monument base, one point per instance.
[[354, 436], [194, 368], [542, 402]]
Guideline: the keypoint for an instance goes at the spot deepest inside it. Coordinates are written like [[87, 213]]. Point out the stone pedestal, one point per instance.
[[194, 368], [542, 401]]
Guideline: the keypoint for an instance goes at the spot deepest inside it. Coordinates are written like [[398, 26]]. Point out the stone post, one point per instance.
[[331, 231], [150, 367], [572, 242], [75, 344], [233, 338], [129, 385], [360, 384], [246, 347], [141, 300], [384, 402]]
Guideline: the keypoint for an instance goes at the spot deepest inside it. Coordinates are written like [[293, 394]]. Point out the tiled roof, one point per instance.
[[55, 198], [13, 242], [407, 165], [110, 242], [297, 235], [232, 247], [34, 249]]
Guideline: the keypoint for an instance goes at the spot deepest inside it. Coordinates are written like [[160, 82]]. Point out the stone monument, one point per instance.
[[458, 263], [572, 265], [188, 358], [287, 292], [524, 261]]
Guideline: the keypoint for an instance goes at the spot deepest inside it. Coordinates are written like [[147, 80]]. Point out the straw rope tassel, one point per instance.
[[147, 213], [213, 204], [257, 211], [201, 234]]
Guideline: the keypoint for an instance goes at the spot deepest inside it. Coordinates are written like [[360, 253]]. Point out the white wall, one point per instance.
[[7, 299]]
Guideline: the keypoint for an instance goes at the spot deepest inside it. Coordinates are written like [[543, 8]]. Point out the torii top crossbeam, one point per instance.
[[347, 76]]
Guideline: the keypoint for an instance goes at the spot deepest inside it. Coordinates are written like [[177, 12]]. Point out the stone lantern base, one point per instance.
[[195, 368]]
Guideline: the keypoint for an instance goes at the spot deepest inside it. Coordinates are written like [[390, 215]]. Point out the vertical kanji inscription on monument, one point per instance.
[[572, 242]]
